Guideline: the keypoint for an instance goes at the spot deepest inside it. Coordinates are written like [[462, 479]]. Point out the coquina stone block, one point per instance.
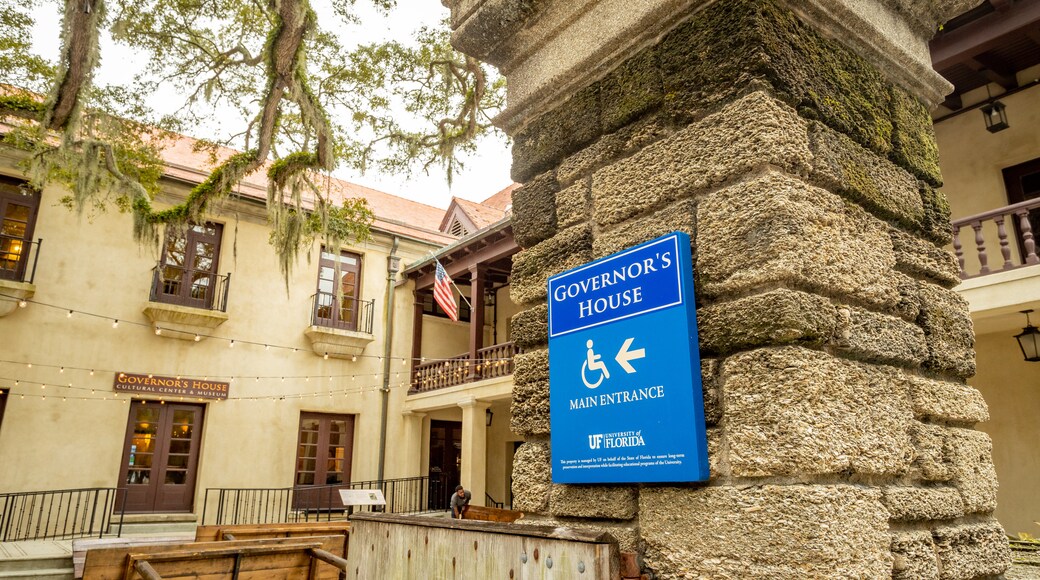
[[931, 461], [774, 229], [573, 205], [732, 47], [530, 328], [530, 406], [948, 331], [922, 503], [795, 411], [712, 391], [878, 337], [908, 307], [609, 148], [626, 535], [913, 137], [936, 216], [772, 318], [547, 139], [534, 210], [865, 177], [594, 501], [746, 134], [923, 259], [680, 216], [532, 266], [769, 532], [971, 468], [914, 557], [532, 477], [945, 400], [971, 551]]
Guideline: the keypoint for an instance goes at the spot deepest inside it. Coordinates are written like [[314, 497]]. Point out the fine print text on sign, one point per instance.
[[624, 368], [170, 386]]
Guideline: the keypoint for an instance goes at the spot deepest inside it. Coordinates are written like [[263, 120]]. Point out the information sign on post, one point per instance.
[[624, 368]]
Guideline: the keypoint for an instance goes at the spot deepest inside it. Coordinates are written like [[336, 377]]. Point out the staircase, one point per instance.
[[53, 565]]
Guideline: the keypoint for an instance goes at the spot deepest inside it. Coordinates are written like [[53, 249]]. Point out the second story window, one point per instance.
[[336, 303], [188, 270], [17, 220]]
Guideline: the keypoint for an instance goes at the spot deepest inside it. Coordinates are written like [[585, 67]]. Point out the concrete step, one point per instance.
[[40, 574], [37, 567]]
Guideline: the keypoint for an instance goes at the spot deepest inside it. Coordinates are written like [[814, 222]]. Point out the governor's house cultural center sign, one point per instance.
[[624, 368]]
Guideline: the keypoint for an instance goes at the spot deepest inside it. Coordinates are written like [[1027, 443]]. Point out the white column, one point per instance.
[[474, 448], [415, 447]]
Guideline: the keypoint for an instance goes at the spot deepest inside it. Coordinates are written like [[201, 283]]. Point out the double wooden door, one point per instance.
[[160, 457]]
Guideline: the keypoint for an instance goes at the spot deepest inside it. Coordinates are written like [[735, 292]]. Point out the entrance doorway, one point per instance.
[[160, 456], [323, 459], [445, 461]]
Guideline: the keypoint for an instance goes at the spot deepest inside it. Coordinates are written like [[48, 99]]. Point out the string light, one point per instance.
[[115, 323], [22, 304], [231, 344], [197, 338], [69, 315], [158, 331], [353, 358]]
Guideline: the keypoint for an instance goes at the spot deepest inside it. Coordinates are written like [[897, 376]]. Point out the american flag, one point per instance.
[[443, 295]]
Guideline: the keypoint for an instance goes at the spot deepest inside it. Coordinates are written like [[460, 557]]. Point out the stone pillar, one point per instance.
[[474, 448], [792, 141]]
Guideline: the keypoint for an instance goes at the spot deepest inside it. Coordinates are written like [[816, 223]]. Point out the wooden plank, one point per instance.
[[219, 557], [80, 547], [490, 514], [256, 531], [536, 531]]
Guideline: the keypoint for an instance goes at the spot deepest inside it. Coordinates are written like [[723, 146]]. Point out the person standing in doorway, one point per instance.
[[459, 501]]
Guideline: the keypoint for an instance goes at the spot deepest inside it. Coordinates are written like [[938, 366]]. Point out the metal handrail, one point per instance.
[[21, 271], [62, 514], [216, 291], [363, 316], [232, 506]]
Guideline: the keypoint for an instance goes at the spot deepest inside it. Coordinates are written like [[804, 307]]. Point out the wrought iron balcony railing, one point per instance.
[[15, 254], [347, 313], [195, 288]]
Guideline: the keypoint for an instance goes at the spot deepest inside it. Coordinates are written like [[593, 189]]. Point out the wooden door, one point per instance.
[[190, 262], [160, 457], [445, 461], [323, 460], [338, 306]]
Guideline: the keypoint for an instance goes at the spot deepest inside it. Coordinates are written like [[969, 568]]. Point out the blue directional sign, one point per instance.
[[624, 368]]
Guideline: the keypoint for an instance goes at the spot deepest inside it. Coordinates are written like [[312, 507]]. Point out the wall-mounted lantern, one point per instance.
[[1029, 340], [996, 116]]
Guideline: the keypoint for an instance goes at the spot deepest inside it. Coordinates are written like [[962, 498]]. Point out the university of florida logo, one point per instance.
[[595, 441]]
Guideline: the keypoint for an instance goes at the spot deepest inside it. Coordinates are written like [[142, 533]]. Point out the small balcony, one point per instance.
[[18, 258], [492, 362], [1008, 231], [340, 327], [186, 303]]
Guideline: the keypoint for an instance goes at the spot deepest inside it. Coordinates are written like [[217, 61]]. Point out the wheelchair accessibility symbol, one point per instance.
[[595, 368], [593, 363]]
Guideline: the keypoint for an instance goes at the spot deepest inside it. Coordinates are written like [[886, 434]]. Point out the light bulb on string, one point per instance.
[[353, 358], [267, 347], [326, 357], [91, 372], [115, 323], [69, 315], [197, 338], [231, 344], [158, 331], [61, 370], [22, 303]]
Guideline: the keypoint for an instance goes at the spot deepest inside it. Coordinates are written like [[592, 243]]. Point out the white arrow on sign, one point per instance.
[[624, 355]]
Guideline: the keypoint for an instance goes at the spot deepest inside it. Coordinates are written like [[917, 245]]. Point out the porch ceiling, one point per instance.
[[988, 44]]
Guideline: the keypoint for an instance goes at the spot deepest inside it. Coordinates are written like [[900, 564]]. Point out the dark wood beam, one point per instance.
[[953, 102], [995, 70], [503, 248], [984, 34]]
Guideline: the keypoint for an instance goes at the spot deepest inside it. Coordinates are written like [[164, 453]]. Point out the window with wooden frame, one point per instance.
[[431, 308], [18, 209], [188, 270], [337, 300]]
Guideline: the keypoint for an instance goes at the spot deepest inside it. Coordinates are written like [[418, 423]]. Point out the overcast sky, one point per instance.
[[483, 175]]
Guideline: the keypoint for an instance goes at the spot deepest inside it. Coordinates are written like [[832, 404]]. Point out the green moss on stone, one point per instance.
[[936, 223], [734, 47], [542, 145], [631, 90], [913, 138]]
